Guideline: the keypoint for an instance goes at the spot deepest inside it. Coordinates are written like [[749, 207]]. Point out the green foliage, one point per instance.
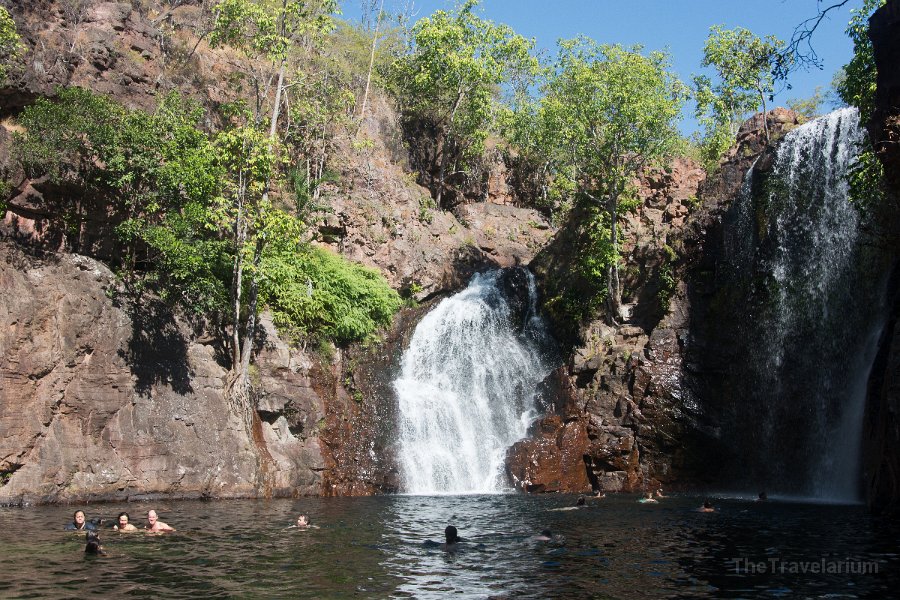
[[452, 72], [866, 177], [190, 204], [66, 136], [584, 290], [606, 111], [743, 63], [666, 275], [5, 189], [139, 163], [857, 86], [269, 28], [811, 107], [11, 47], [189, 268], [316, 292]]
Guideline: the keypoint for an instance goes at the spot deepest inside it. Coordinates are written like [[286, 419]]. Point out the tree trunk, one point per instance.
[[613, 299], [762, 97], [444, 147], [362, 111], [240, 235]]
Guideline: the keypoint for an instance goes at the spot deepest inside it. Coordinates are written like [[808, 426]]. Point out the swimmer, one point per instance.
[[545, 536], [154, 524], [659, 493], [451, 542], [79, 524], [763, 496], [648, 498], [93, 545], [451, 537], [303, 522], [707, 506], [123, 525], [581, 501], [599, 495]]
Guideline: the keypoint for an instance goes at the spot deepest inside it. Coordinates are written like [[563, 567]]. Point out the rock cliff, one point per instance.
[[105, 401], [882, 424], [631, 415]]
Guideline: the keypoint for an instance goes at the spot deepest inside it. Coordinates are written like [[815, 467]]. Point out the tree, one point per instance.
[[10, 45], [744, 64], [857, 86], [266, 30], [451, 76], [811, 107], [609, 110]]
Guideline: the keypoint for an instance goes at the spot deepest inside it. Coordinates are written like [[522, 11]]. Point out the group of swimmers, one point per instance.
[[122, 525]]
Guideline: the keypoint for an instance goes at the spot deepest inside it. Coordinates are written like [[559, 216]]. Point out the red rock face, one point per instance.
[[94, 405], [552, 459]]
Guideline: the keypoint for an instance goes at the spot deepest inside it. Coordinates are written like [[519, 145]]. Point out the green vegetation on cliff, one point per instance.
[[174, 190], [449, 77], [10, 44], [744, 64]]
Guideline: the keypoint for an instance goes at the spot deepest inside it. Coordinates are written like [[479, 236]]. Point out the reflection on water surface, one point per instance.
[[373, 548]]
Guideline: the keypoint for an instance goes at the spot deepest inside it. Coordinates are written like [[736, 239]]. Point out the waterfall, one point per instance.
[[810, 295], [468, 386]]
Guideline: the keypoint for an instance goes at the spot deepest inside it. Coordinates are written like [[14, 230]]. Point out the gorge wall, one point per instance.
[[882, 423], [104, 400], [100, 400], [631, 418]]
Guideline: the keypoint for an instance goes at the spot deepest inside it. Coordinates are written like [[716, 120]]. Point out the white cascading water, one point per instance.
[[813, 331], [467, 390]]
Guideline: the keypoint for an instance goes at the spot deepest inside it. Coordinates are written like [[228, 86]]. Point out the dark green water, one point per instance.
[[373, 548]]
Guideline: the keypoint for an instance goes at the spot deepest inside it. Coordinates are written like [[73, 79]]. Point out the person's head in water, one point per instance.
[[450, 534], [763, 496], [93, 545], [580, 501], [707, 503], [123, 520], [303, 521]]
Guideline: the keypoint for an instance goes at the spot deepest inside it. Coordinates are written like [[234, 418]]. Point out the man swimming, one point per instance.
[[79, 524], [154, 524]]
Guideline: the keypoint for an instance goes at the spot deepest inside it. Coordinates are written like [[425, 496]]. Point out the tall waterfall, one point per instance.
[[468, 387], [809, 332]]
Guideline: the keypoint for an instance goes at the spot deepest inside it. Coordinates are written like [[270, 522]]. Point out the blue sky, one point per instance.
[[679, 25]]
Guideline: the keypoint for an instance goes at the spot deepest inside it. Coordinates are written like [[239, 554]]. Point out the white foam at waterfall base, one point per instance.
[[466, 391]]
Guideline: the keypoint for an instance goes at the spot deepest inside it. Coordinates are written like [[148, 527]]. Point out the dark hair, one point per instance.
[[707, 503], [450, 534], [546, 533], [124, 514], [580, 501], [93, 543]]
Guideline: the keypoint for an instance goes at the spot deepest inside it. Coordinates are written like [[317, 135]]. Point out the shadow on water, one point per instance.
[[157, 351]]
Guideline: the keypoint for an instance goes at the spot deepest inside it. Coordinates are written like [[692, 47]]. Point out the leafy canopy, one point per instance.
[[610, 110], [857, 86], [743, 63], [454, 68], [268, 28], [11, 46]]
